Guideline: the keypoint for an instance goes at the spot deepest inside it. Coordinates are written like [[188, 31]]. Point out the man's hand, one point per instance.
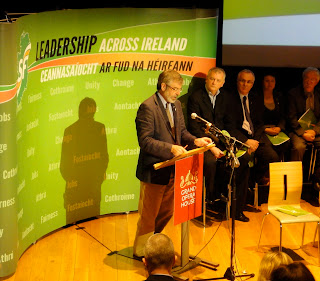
[[309, 135], [177, 150], [254, 144], [273, 131], [216, 152], [202, 141]]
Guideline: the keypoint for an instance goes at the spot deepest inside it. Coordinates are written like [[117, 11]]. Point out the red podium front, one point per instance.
[[188, 188]]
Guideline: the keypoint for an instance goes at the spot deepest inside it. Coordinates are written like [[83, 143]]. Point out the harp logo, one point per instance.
[[189, 179], [23, 55]]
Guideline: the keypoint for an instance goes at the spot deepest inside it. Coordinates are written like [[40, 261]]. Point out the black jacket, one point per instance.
[[200, 103], [236, 116], [297, 107]]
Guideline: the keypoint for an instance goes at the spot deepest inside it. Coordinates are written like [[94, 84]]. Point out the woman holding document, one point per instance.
[[274, 116]]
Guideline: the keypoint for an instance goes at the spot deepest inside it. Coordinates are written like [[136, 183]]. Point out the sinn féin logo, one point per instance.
[[23, 55], [190, 179]]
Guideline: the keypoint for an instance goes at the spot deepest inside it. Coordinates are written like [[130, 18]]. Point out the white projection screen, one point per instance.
[[273, 33]]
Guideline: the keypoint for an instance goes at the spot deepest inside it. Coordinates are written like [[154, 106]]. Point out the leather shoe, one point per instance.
[[242, 217]]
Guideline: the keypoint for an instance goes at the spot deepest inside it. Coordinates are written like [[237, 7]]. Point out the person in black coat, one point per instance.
[[274, 115], [212, 103], [298, 104], [208, 103], [302, 98], [247, 124]]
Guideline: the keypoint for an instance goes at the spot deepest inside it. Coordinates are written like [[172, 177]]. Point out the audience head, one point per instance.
[[170, 85], [296, 271], [268, 82], [215, 79], [245, 81], [311, 77], [270, 261], [159, 254]]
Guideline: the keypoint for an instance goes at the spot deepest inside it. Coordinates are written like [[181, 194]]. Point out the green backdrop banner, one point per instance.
[[58, 164]]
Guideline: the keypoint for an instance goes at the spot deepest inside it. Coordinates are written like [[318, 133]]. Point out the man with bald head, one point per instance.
[[159, 257]]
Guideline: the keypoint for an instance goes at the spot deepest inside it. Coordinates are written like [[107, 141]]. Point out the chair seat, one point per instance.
[[285, 218]]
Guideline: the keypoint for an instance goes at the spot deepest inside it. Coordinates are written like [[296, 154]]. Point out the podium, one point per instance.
[[192, 152], [187, 261]]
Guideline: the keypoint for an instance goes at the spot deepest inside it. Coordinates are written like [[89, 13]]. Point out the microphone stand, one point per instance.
[[233, 162]]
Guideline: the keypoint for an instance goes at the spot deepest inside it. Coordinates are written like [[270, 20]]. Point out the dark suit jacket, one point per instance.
[[297, 107], [200, 103], [156, 139], [236, 114], [159, 278]]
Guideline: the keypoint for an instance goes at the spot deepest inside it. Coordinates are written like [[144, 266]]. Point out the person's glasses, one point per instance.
[[312, 80], [175, 89], [245, 81]]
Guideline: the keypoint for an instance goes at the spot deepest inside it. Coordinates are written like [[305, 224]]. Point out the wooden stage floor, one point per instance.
[[81, 252]]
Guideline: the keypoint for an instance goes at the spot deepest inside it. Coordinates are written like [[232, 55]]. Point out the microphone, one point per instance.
[[208, 124], [196, 116]]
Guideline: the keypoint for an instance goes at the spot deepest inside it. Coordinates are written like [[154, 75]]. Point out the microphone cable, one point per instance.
[[111, 252]]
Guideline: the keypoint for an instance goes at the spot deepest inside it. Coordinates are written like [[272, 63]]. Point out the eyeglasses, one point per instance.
[[245, 81], [175, 89], [313, 80]]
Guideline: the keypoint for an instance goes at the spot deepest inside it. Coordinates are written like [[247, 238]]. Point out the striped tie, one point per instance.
[[244, 99], [170, 118]]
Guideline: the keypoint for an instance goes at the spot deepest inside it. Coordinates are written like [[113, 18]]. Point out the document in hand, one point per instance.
[[308, 120], [278, 139]]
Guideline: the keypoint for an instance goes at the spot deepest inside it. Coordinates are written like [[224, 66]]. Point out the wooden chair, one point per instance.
[[285, 190]]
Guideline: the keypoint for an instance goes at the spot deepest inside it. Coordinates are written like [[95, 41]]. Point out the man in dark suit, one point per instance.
[[247, 126], [208, 102], [159, 257], [211, 102], [302, 98], [161, 135]]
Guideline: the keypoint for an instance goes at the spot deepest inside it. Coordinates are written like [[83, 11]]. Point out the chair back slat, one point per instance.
[[286, 179]]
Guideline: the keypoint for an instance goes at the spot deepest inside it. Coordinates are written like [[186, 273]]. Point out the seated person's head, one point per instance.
[[311, 77], [159, 254], [270, 261], [296, 271]]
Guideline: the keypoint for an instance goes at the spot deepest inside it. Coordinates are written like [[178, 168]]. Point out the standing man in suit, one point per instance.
[[161, 135], [247, 126], [302, 98]]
